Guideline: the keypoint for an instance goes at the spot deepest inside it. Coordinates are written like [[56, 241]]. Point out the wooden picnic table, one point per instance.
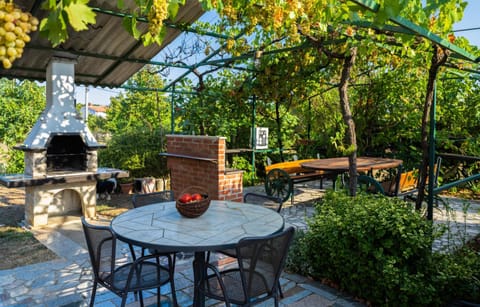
[[341, 165]]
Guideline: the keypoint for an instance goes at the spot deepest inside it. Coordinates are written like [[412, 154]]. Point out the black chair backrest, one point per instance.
[[261, 261], [140, 200], [271, 202], [101, 245]]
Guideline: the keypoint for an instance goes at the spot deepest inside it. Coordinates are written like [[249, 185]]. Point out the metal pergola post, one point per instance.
[[172, 117], [254, 136]]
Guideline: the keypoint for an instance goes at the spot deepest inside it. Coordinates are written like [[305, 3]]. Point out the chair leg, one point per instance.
[[174, 294], [124, 299], [171, 264], [159, 293], [280, 289], [94, 291], [141, 298]]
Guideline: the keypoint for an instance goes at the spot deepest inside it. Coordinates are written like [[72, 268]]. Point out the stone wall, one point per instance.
[[200, 161]]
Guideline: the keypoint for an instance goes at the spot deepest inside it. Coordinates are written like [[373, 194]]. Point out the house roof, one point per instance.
[[97, 108], [106, 54]]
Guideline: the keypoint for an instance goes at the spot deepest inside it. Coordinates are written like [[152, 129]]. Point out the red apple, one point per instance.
[[197, 196], [185, 198]]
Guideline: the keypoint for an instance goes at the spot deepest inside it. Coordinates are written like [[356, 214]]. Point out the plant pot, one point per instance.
[[126, 188]]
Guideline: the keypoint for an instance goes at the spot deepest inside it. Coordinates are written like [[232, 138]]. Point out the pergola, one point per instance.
[[107, 55]]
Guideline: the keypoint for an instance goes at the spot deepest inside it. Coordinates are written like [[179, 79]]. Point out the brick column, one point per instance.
[[200, 161]]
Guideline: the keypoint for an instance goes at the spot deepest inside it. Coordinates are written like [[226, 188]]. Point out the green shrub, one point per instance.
[[379, 249], [137, 152], [249, 176], [458, 275], [376, 248], [297, 260]]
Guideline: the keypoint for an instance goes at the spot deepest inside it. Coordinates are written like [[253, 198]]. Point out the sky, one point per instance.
[[471, 19]]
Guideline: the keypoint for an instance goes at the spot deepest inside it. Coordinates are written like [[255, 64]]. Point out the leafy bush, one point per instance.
[[136, 151], [368, 239], [457, 275], [249, 177], [379, 249], [297, 260]]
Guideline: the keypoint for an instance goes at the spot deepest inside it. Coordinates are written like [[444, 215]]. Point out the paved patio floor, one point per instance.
[[66, 281]]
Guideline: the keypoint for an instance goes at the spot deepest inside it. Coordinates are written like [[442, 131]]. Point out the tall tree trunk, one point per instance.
[[278, 120], [201, 125], [439, 57], [348, 63]]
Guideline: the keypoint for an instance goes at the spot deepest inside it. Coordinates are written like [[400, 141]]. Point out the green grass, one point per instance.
[[109, 211], [14, 233]]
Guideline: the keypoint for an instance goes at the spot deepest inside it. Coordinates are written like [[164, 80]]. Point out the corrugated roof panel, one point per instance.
[[106, 53]]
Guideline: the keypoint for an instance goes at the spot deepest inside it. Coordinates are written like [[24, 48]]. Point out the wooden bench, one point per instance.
[[404, 184], [281, 177], [405, 181]]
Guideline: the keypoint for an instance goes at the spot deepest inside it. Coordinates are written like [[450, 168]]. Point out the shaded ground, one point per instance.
[[18, 247], [11, 206]]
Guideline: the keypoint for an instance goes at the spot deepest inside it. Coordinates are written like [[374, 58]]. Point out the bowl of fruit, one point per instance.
[[193, 202]]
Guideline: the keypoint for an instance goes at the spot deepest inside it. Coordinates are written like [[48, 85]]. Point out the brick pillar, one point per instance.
[[200, 161]]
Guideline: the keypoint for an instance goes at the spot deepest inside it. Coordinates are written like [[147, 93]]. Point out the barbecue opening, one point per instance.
[[66, 152]]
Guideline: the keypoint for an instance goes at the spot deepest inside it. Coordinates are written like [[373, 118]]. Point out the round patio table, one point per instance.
[[161, 227]]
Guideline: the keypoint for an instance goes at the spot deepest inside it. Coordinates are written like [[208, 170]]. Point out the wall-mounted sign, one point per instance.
[[261, 138]]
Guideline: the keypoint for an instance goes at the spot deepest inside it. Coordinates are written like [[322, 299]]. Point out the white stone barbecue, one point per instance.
[[61, 168]]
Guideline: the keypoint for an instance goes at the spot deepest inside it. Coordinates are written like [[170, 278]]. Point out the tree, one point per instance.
[[291, 23], [320, 21], [21, 103], [141, 107], [137, 120]]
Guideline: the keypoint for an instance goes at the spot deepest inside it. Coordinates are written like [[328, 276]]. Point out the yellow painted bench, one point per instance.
[[291, 167], [281, 177]]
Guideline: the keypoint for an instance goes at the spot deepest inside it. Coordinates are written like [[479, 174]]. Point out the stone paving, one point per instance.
[[66, 281]]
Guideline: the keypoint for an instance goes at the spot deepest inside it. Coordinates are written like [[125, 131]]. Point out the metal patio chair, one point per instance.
[[135, 276], [270, 202], [267, 201], [140, 200], [256, 279]]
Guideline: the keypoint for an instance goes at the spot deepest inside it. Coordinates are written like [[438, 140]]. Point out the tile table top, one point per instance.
[[160, 226]]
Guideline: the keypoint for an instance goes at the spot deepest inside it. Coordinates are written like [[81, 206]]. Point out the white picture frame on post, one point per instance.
[[261, 138]]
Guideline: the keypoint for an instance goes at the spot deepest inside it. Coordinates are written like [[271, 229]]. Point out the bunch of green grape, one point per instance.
[[158, 13], [15, 25]]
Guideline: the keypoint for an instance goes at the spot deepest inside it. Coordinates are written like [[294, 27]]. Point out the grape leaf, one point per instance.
[[80, 15], [130, 25], [173, 10], [54, 28], [121, 4], [49, 5]]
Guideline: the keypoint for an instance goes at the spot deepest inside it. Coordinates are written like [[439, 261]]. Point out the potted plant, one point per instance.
[[126, 185]]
